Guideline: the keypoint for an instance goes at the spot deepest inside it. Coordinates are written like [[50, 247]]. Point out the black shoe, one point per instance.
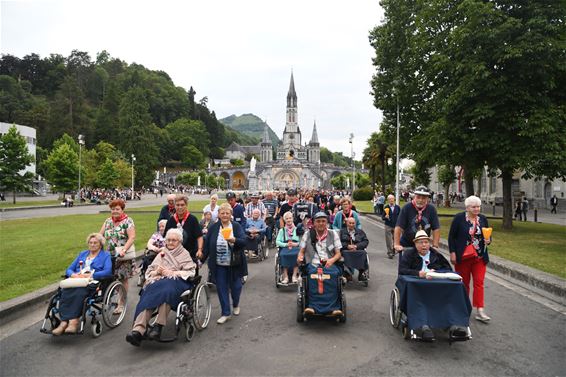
[[362, 276], [458, 331], [427, 334], [134, 338], [155, 333]]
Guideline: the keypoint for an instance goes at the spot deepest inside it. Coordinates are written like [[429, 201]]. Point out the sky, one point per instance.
[[239, 54]]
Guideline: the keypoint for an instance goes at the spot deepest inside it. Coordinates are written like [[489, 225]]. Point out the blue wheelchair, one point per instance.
[[321, 293]]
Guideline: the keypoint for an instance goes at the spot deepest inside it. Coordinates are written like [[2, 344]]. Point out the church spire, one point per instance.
[[265, 139], [314, 137], [292, 95]]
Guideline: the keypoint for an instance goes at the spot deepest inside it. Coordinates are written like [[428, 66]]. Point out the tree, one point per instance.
[[107, 175], [192, 157], [446, 175], [14, 158], [375, 156], [63, 168]]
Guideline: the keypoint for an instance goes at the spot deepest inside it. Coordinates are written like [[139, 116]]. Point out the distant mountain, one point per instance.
[[251, 125]]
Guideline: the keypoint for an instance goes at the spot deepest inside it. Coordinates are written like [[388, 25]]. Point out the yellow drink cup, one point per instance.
[[386, 211], [486, 232], [226, 232]]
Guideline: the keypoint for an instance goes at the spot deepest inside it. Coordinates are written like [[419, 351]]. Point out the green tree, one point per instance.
[[14, 158], [63, 168], [107, 175], [192, 157], [446, 176]]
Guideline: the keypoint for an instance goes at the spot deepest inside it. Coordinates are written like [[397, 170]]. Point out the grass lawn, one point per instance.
[[8, 203], [537, 245]]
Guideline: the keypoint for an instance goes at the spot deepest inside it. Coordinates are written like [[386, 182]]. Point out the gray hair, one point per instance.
[[214, 196], [176, 232], [163, 221], [101, 240], [287, 215], [472, 200], [182, 197], [390, 196]]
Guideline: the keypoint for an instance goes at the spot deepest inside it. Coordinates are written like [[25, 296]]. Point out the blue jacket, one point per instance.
[[102, 264], [259, 224], [459, 233], [238, 212], [339, 224], [392, 221], [210, 249]]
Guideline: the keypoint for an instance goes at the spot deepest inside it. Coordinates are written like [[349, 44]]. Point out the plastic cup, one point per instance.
[[226, 232], [386, 211], [486, 232]]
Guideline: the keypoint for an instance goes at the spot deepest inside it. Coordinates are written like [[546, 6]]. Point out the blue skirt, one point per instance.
[[162, 291], [288, 257], [355, 259], [71, 302]]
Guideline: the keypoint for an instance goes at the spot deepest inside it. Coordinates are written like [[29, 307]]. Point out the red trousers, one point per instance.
[[475, 268]]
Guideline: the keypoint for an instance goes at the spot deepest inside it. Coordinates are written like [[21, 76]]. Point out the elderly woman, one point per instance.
[[346, 212], [206, 221], [288, 243], [166, 279], [120, 233], [224, 248], [354, 243], [212, 207], [155, 243], [468, 250], [93, 263]]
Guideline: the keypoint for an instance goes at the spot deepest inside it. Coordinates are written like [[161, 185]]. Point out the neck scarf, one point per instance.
[[290, 229], [171, 209], [419, 211], [320, 238], [474, 224], [176, 217], [122, 217]]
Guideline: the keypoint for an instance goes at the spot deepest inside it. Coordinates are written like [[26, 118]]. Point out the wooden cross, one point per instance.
[[321, 277]]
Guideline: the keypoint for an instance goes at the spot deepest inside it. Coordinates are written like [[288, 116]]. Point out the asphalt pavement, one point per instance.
[[524, 338]]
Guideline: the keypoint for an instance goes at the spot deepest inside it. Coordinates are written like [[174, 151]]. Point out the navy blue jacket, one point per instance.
[[392, 221], [102, 264], [238, 212], [210, 249], [459, 233], [411, 262]]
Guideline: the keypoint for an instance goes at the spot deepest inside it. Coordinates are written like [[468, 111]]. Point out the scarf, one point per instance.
[[176, 217], [474, 224], [171, 209], [290, 229], [419, 212], [122, 217], [323, 236], [177, 259]]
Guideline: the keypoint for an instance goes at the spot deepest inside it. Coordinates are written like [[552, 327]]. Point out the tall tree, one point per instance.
[[63, 168], [14, 158]]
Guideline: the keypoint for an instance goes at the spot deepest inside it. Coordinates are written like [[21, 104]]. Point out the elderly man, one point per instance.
[[237, 209], [272, 208], [321, 247], [418, 261], [414, 216], [255, 230], [389, 216], [255, 204], [354, 243], [168, 210]]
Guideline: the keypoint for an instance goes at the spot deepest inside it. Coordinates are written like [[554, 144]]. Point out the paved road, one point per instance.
[[524, 338]]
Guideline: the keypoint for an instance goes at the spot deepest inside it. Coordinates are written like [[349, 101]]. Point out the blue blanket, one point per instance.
[[436, 303], [328, 300], [164, 290], [355, 259], [288, 257]]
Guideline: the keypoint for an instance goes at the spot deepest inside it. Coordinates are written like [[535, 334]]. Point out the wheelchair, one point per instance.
[[103, 298], [399, 319], [279, 273], [271, 224], [351, 272], [258, 250], [303, 296], [148, 257], [192, 313]]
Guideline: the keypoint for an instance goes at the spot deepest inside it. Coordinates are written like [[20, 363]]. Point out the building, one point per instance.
[[29, 133]]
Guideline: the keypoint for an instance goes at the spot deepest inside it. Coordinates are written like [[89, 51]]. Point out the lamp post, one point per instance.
[[133, 160], [353, 163], [397, 168], [81, 139]]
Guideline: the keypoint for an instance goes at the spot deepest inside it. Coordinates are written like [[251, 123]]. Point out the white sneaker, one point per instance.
[[285, 281], [295, 279], [482, 316], [236, 310], [223, 319]]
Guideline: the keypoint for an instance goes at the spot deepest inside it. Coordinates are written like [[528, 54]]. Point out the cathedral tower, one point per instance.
[[292, 133]]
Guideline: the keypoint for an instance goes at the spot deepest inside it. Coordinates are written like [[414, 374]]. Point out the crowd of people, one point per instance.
[[309, 226]]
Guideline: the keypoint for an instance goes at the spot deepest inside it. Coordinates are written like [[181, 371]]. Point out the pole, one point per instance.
[[133, 159], [397, 169], [81, 142]]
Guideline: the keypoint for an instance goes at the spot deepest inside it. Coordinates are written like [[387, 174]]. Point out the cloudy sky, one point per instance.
[[237, 53]]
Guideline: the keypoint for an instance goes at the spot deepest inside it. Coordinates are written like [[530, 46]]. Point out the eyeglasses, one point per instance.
[[172, 240]]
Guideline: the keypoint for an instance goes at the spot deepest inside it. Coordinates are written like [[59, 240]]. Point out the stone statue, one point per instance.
[[253, 162]]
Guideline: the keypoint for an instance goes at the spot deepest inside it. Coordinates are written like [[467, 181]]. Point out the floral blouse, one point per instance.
[[116, 234]]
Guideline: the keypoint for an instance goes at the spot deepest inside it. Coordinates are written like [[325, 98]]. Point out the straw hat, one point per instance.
[[421, 234]]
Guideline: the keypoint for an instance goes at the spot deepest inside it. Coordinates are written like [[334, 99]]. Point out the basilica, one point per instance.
[[293, 164]]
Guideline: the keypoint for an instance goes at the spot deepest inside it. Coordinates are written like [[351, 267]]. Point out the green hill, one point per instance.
[[251, 125]]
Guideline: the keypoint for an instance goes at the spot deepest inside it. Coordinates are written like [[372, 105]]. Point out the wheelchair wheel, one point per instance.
[[189, 331], [114, 296], [394, 310], [96, 328], [202, 307], [277, 271], [300, 303], [343, 318]]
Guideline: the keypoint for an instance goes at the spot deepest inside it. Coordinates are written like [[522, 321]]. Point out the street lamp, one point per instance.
[[133, 160], [397, 168], [81, 143], [353, 164]]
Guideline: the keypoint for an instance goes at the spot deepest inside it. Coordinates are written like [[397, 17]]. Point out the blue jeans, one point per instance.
[[227, 284]]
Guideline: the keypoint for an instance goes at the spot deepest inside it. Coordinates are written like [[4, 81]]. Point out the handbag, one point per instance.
[[469, 253], [129, 255], [235, 258]]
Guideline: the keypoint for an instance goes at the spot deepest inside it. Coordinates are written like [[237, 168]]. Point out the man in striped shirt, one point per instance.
[[272, 207], [255, 204]]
